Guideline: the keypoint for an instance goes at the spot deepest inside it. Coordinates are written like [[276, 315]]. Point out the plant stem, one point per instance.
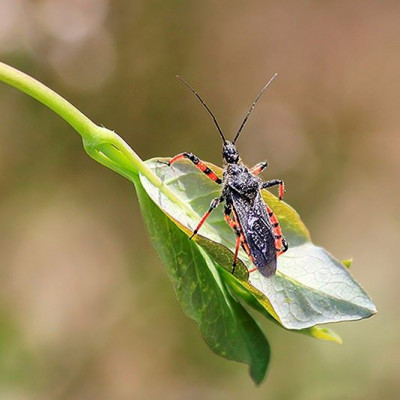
[[82, 124], [93, 136], [102, 144]]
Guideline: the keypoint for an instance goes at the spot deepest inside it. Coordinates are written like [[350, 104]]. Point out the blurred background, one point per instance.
[[86, 308]]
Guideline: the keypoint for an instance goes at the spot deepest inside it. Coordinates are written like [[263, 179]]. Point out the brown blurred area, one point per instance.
[[86, 308]]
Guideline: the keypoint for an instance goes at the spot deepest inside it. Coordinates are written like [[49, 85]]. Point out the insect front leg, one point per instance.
[[197, 162], [275, 182], [258, 168], [214, 204]]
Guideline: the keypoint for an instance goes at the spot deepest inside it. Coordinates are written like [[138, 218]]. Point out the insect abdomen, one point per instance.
[[258, 233], [262, 246]]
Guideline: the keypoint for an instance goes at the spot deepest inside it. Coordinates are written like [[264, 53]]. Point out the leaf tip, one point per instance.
[[321, 333], [348, 262], [258, 374]]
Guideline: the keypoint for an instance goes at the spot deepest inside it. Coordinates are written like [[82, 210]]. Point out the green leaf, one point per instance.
[[316, 332], [347, 263], [225, 325], [310, 287], [322, 333]]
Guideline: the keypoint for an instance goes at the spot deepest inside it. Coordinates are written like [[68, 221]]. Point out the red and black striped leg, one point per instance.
[[197, 162], [281, 244], [284, 247], [275, 182], [235, 226], [241, 240], [232, 223], [258, 168], [246, 248], [214, 204]]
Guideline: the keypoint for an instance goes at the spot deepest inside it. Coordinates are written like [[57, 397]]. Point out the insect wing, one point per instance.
[[257, 230]]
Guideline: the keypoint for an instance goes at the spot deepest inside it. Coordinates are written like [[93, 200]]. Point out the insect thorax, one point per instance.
[[242, 181]]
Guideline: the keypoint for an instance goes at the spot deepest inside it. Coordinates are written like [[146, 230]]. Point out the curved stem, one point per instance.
[[93, 136], [102, 144], [82, 124]]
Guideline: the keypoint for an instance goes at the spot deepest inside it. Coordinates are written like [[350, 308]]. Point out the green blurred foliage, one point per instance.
[[87, 309]]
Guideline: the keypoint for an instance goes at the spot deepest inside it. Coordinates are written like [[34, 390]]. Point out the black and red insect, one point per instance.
[[256, 226]]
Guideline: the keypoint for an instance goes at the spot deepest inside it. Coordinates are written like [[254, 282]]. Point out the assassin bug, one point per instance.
[[256, 226]]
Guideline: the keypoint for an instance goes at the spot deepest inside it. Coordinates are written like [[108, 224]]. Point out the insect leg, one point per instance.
[[197, 162], [236, 255], [247, 250], [241, 240], [281, 244], [214, 204], [235, 226], [258, 168], [275, 182], [232, 223], [284, 247]]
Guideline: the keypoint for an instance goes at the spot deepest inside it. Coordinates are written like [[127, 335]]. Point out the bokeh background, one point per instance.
[[86, 308]]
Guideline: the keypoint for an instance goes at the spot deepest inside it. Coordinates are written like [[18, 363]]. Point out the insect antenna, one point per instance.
[[252, 108], [205, 106]]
